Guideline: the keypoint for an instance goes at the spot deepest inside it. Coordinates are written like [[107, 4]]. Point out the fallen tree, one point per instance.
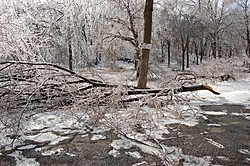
[[46, 85], [27, 88]]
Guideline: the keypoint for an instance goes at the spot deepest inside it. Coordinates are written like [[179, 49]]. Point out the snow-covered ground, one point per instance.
[[231, 92], [54, 126]]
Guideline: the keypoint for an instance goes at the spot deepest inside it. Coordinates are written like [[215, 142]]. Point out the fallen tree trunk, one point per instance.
[[182, 89], [165, 92], [50, 83]]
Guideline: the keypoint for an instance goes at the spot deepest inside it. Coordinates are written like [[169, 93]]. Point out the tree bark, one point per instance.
[[70, 56], [187, 53], [169, 51], [183, 48], [142, 81]]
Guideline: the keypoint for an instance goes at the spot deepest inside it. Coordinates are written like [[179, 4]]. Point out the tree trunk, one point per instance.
[[142, 81], [183, 54], [137, 56], [70, 56], [202, 49], [169, 51], [162, 51], [248, 42], [214, 45], [187, 53]]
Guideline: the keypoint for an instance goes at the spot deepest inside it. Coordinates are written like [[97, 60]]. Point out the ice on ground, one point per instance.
[[134, 154], [51, 152], [53, 121], [171, 154], [244, 151], [231, 92], [23, 161], [43, 137], [214, 143], [214, 113], [114, 153], [223, 158], [98, 137], [246, 115], [71, 155], [140, 163], [26, 147], [214, 125]]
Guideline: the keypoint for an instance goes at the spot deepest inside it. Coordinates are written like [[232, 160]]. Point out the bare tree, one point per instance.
[[126, 25], [244, 5]]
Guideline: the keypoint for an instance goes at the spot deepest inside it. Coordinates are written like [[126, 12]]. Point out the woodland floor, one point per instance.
[[232, 132]]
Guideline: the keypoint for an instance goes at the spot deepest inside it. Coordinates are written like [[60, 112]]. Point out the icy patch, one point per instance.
[[244, 151], [54, 121], [140, 164], [134, 154], [214, 125], [51, 152], [23, 161], [98, 137], [42, 137], [100, 129], [26, 147], [114, 153], [214, 143], [234, 92], [171, 154], [223, 158], [158, 132], [71, 155], [121, 144], [214, 113], [246, 115]]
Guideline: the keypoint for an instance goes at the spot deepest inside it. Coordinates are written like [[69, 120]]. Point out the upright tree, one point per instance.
[[142, 81], [244, 5]]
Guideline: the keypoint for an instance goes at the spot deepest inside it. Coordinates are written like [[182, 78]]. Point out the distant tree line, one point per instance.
[[80, 33]]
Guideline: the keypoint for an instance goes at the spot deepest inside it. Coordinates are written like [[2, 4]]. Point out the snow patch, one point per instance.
[[214, 125], [140, 164], [71, 155], [214, 143], [26, 147], [134, 154], [214, 113], [23, 161], [114, 153], [52, 152], [244, 151], [42, 137], [98, 137]]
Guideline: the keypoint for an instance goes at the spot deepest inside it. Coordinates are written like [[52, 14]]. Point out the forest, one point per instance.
[[132, 68]]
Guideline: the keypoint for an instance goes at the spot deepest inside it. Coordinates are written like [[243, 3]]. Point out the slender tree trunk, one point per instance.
[[187, 53], [196, 52], [137, 56], [70, 56], [183, 53], [248, 41], [169, 51], [214, 45], [162, 51], [202, 49], [142, 81]]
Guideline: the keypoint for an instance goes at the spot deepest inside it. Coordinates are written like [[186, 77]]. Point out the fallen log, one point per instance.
[[165, 92], [198, 87], [182, 89], [55, 83]]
